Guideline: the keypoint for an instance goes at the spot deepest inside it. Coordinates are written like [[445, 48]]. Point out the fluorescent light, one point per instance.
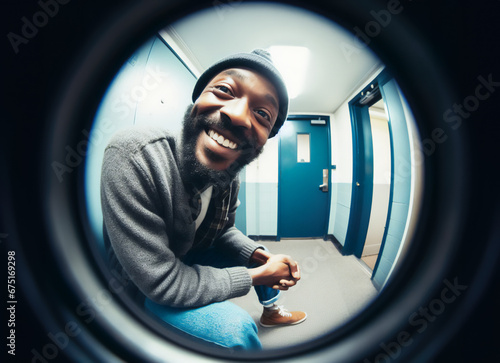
[[292, 62]]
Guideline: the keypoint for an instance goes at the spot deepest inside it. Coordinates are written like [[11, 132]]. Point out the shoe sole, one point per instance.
[[278, 325]]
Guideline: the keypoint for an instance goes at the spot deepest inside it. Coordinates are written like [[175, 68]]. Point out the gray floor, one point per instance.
[[333, 288]]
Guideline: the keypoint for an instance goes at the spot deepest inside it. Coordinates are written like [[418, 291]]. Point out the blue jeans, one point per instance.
[[224, 323]]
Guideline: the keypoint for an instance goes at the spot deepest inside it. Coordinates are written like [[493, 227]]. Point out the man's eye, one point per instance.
[[264, 114], [224, 89]]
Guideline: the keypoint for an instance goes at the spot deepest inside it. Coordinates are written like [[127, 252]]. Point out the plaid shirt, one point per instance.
[[217, 217]]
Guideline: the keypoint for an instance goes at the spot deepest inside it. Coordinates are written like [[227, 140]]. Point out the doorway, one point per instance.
[[304, 177], [369, 217], [382, 159]]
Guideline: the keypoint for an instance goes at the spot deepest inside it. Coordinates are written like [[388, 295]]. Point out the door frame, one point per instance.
[[362, 145], [309, 118]]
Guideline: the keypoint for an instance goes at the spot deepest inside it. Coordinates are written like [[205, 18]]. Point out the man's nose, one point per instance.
[[238, 111]]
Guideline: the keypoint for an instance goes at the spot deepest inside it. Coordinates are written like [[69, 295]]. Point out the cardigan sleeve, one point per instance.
[[141, 239]]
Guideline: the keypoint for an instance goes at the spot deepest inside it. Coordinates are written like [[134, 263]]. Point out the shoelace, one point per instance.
[[283, 312]]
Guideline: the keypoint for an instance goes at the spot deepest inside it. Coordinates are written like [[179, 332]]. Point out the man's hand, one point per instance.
[[292, 264], [260, 256], [277, 271]]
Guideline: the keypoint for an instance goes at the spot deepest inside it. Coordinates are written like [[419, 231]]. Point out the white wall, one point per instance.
[[264, 169]]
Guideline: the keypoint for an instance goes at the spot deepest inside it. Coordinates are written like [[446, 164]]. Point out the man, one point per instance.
[[169, 208]]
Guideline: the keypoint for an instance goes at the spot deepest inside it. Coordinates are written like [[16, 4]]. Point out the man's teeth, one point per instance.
[[221, 140]]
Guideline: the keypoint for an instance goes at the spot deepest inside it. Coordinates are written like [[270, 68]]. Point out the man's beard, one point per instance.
[[193, 171]]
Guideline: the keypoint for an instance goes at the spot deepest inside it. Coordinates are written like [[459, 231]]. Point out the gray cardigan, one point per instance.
[[149, 226]]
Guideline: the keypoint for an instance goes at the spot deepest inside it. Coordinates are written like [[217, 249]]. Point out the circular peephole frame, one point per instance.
[[113, 327]]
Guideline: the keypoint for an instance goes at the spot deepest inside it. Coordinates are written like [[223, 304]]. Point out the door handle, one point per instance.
[[324, 187]]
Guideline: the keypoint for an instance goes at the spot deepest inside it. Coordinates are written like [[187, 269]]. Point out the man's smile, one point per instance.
[[217, 149], [221, 140]]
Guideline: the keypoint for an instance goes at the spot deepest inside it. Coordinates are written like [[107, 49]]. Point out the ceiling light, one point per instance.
[[292, 62]]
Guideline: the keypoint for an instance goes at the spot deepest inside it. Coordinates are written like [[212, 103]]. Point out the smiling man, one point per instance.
[[169, 208]]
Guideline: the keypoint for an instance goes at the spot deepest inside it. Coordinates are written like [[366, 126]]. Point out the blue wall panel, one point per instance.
[[241, 212], [342, 210], [333, 207], [262, 209], [401, 190], [400, 196], [344, 192], [152, 87], [391, 247], [341, 223]]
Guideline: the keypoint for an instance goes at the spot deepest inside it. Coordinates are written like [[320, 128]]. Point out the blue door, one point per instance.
[[304, 185]]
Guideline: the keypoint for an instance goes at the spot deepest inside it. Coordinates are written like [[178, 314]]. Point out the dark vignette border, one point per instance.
[[68, 80]]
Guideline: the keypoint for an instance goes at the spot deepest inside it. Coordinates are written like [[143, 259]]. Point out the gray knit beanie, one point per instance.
[[260, 61]]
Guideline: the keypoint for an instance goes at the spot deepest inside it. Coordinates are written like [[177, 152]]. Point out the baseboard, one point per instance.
[[263, 238], [336, 243]]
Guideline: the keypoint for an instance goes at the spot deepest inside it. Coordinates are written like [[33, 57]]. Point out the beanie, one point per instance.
[[260, 61]]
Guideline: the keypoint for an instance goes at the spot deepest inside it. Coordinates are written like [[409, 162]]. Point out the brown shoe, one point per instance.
[[279, 316]]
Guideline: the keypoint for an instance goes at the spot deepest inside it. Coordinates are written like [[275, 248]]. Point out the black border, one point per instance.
[[436, 51]]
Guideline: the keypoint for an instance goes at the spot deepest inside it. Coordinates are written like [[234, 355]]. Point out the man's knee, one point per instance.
[[241, 333]]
